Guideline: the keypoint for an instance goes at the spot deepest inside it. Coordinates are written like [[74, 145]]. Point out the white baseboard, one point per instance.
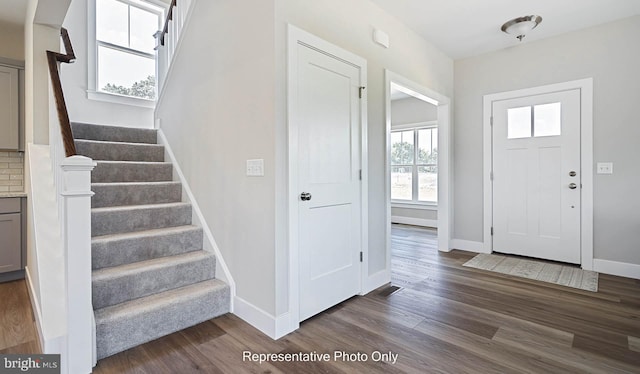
[[414, 221], [468, 245], [285, 325], [35, 306], [277, 327], [621, 269], [376, 280], [274, 327], [56, 345]]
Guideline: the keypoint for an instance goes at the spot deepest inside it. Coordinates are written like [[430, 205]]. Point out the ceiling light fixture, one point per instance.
[[521, 25]]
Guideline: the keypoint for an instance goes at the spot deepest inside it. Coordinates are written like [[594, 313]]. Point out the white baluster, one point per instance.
[[165, 52]]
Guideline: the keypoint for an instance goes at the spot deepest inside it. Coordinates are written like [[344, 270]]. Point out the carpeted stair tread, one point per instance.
[[150, 274], [118, 284], [126, 325], [120, 219], [119, 249], [113, 133], [120, 151], [135, 193], [131, 171]]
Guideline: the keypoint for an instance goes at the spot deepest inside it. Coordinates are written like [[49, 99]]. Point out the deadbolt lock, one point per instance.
[[572, 173]]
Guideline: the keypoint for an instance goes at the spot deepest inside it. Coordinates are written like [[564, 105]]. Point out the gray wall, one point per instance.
[[414, 213], [12, 41], [412, 110], [226, 103], [609, 53], [217, 113], [350, 25]]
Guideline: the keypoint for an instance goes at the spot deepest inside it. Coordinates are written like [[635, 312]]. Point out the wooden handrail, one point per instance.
[[63, 115], [165, 29]]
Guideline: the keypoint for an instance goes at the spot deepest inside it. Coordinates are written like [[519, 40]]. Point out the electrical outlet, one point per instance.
[[604, 168], [255, 168]]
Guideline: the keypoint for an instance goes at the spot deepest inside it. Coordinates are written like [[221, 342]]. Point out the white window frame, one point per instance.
[[414, 203], [93, 93]]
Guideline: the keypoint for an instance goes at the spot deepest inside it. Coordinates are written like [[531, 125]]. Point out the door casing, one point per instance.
[[586, 160], [445, 182]]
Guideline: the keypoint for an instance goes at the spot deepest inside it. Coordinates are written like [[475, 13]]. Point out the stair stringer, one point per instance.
[[209, 243]]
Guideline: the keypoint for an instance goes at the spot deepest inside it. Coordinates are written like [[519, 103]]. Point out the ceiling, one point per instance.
[[465, 28], [13, 11]]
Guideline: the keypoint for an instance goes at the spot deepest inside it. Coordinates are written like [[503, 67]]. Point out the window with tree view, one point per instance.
[[125, 47], [414, 165]]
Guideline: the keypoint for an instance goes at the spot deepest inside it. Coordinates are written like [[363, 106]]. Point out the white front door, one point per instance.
[[328, 120], [536, 176]]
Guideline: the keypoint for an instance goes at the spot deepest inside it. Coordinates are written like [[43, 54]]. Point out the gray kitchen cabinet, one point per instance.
[[12, 243], [9, 108]]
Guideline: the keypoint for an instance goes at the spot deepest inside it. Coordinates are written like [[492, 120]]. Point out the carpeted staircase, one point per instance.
[[150, 274]]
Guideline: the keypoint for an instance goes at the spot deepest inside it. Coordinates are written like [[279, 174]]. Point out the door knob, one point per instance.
[[305, 196], [573, 186]]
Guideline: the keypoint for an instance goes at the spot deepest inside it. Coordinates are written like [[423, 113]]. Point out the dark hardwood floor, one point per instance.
[[17, 328], [438, 317]]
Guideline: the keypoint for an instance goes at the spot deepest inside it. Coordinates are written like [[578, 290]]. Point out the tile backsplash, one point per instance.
[[11, 172]]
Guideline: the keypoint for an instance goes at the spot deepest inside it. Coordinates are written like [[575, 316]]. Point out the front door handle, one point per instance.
[[305, 196], [573, 186]]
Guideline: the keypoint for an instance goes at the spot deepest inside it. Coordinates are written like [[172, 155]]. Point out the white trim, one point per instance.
[[11, 63], [152, 3], [222, 270], [586, 165], [621, 269], [120, 99], [414, 126], [409, 89], [296, 36], [35, 306], [468, 245], [55, 345], [283, 325], [412, 205], [92, 48], [586, 159], [274, 327], [445, 183], [415, 221], [255, 316]]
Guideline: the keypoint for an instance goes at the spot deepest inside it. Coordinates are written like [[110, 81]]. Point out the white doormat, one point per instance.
[[543, 271]]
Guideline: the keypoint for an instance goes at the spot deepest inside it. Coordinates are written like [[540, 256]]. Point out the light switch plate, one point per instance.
[[255, 168], [604, 168]]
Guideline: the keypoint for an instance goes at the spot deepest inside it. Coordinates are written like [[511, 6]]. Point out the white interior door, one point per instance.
[[328, 119], [536, 176]]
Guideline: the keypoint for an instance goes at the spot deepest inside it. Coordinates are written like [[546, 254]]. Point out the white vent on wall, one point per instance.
[[381, 38]]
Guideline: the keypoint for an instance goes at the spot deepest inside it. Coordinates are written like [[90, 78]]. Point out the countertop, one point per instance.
[[13, 194]]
